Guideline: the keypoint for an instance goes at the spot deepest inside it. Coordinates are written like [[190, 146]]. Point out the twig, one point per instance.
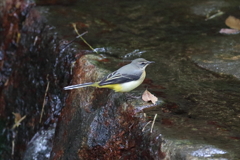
[[13, 146], [18, 122], [75, 39], [146, 125], [75, 29], [72, 65], [219, 13], [44, 99], [153, 122]]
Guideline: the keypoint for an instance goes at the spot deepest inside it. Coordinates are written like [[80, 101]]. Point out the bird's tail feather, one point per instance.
[[78, 86]]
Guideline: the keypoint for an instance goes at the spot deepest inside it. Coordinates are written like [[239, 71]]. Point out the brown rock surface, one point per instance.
[[98, 123]]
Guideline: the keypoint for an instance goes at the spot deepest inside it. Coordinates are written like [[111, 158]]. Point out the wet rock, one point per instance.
[[221, 63], [99, 123], [188, 150], [40, 145], [30, 56], [55, 2], [203, 103], [207, 7]]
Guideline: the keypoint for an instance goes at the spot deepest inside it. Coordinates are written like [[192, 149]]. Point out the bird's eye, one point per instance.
[[143, 63]]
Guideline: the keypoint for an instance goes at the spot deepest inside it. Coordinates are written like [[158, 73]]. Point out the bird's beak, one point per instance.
[[150, 62]]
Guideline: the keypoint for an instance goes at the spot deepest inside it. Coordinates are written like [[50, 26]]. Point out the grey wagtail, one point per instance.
[[124, 79]]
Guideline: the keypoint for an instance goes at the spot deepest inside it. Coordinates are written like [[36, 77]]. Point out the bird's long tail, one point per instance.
[[79, 86]]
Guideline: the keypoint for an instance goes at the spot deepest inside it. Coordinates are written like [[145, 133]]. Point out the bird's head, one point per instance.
[[141, 63]]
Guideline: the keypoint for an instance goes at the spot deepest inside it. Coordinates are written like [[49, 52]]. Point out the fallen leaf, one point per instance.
[[229, 31], [17, 120], [147, 96], [233, 22]]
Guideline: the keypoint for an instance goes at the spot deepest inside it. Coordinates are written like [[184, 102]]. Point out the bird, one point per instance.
[[124, 79]]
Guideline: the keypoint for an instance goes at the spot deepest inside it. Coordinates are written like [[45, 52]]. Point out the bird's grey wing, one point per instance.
[[116, 78]]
